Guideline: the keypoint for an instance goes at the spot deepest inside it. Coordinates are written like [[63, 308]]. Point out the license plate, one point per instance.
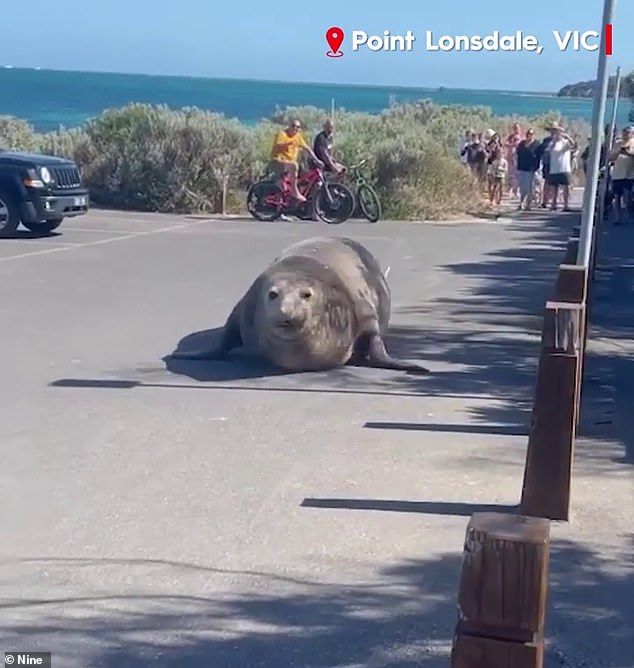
[[79, 201]]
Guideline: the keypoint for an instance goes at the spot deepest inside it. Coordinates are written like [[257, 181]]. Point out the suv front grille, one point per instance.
[[66, 177]]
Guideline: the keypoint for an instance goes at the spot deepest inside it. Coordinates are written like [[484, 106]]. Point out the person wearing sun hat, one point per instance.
[[560, 165]]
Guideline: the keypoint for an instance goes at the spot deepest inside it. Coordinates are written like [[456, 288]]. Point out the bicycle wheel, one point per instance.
[[265, 201], [333, 203], [369, 203]]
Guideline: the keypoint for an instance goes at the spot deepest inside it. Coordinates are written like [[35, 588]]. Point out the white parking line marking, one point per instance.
[[99, 242]]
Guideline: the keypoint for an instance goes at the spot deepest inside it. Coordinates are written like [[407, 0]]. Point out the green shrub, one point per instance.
[[17, 135], [153, 158]]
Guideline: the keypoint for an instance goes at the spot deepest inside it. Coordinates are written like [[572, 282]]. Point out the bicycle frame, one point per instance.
[[355, 173], [306, 184]]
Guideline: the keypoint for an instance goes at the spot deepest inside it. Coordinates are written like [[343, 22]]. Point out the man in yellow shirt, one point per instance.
[[285, 155]]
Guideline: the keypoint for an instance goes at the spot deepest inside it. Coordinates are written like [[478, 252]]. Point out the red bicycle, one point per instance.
[[331, 202]]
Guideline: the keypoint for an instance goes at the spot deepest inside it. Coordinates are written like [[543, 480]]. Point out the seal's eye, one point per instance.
[[273, 294], [306, 294]]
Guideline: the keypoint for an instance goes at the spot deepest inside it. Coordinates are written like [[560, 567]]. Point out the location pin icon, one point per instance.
[[334, 37]]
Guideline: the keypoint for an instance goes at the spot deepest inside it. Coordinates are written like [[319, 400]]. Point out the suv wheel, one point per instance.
[[44, 226], [9, 214]]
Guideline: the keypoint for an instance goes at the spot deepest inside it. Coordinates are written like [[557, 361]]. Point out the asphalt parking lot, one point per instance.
[[198, 513]]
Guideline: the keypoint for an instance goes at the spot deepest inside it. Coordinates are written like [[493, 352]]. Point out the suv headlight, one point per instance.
[[45, 175]]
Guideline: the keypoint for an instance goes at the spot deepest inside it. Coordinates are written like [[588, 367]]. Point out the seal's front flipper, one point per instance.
[[378, 357], [207, 354], [229, 338]]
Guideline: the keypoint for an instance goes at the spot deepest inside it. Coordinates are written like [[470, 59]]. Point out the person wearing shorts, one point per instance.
[[560, 166], [285, 155], [622, 157]]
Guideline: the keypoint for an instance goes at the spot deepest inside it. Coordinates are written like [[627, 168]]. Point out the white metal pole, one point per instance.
[[615, 106], [598, 123], [609, 140]]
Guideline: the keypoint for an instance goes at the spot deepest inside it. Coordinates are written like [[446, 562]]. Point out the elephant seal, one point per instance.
[[322, 303]]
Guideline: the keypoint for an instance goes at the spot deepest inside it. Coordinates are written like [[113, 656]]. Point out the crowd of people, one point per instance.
[[532, 171], [535, 172], [619, 171]]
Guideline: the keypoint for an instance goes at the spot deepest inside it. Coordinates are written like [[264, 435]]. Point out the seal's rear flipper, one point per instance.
[[378, 357]]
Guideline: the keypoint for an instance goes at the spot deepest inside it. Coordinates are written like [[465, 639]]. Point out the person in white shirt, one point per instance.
[[560, 166], [622, 157]]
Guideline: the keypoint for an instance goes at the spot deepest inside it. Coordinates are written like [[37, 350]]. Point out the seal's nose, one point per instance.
[[290, 321]]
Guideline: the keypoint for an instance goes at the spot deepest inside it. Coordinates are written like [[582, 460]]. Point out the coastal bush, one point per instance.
[[154, 158], [17, 135]]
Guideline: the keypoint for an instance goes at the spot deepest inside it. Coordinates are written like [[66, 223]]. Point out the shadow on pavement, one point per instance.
[[26, 235], [402, 618], [499, 430], [397, 506], [608, 391], [236, 366]]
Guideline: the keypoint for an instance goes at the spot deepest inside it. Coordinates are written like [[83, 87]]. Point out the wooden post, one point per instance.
[[225, 185], [547, 474], [502, 593], [572, 286]]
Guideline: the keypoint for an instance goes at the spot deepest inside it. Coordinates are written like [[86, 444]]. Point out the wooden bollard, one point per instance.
[[502, 593], [573, 286], [547, 474]]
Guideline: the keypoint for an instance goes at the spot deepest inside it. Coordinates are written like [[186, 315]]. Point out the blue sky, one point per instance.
[[285, 41]]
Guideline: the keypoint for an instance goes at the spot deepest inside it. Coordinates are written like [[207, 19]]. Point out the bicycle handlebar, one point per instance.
[[359, 164]]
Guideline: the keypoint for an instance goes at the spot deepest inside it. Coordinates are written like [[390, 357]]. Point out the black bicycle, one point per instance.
[[365, 197]]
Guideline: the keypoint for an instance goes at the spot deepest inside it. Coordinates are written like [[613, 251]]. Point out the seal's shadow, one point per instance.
[[238, 364]]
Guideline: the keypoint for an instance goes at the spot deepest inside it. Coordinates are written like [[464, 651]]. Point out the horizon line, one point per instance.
[[551, 93]]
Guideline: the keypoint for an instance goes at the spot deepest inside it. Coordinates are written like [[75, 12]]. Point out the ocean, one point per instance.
[[49, 99]]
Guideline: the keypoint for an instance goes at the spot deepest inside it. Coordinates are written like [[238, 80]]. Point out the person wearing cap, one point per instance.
[[622, 158], [560, 166]]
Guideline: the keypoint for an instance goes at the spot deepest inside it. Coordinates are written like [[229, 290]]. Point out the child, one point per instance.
[[538, 189], [498, 171]]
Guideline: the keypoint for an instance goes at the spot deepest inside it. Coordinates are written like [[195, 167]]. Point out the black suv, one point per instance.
[[38, 191]]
